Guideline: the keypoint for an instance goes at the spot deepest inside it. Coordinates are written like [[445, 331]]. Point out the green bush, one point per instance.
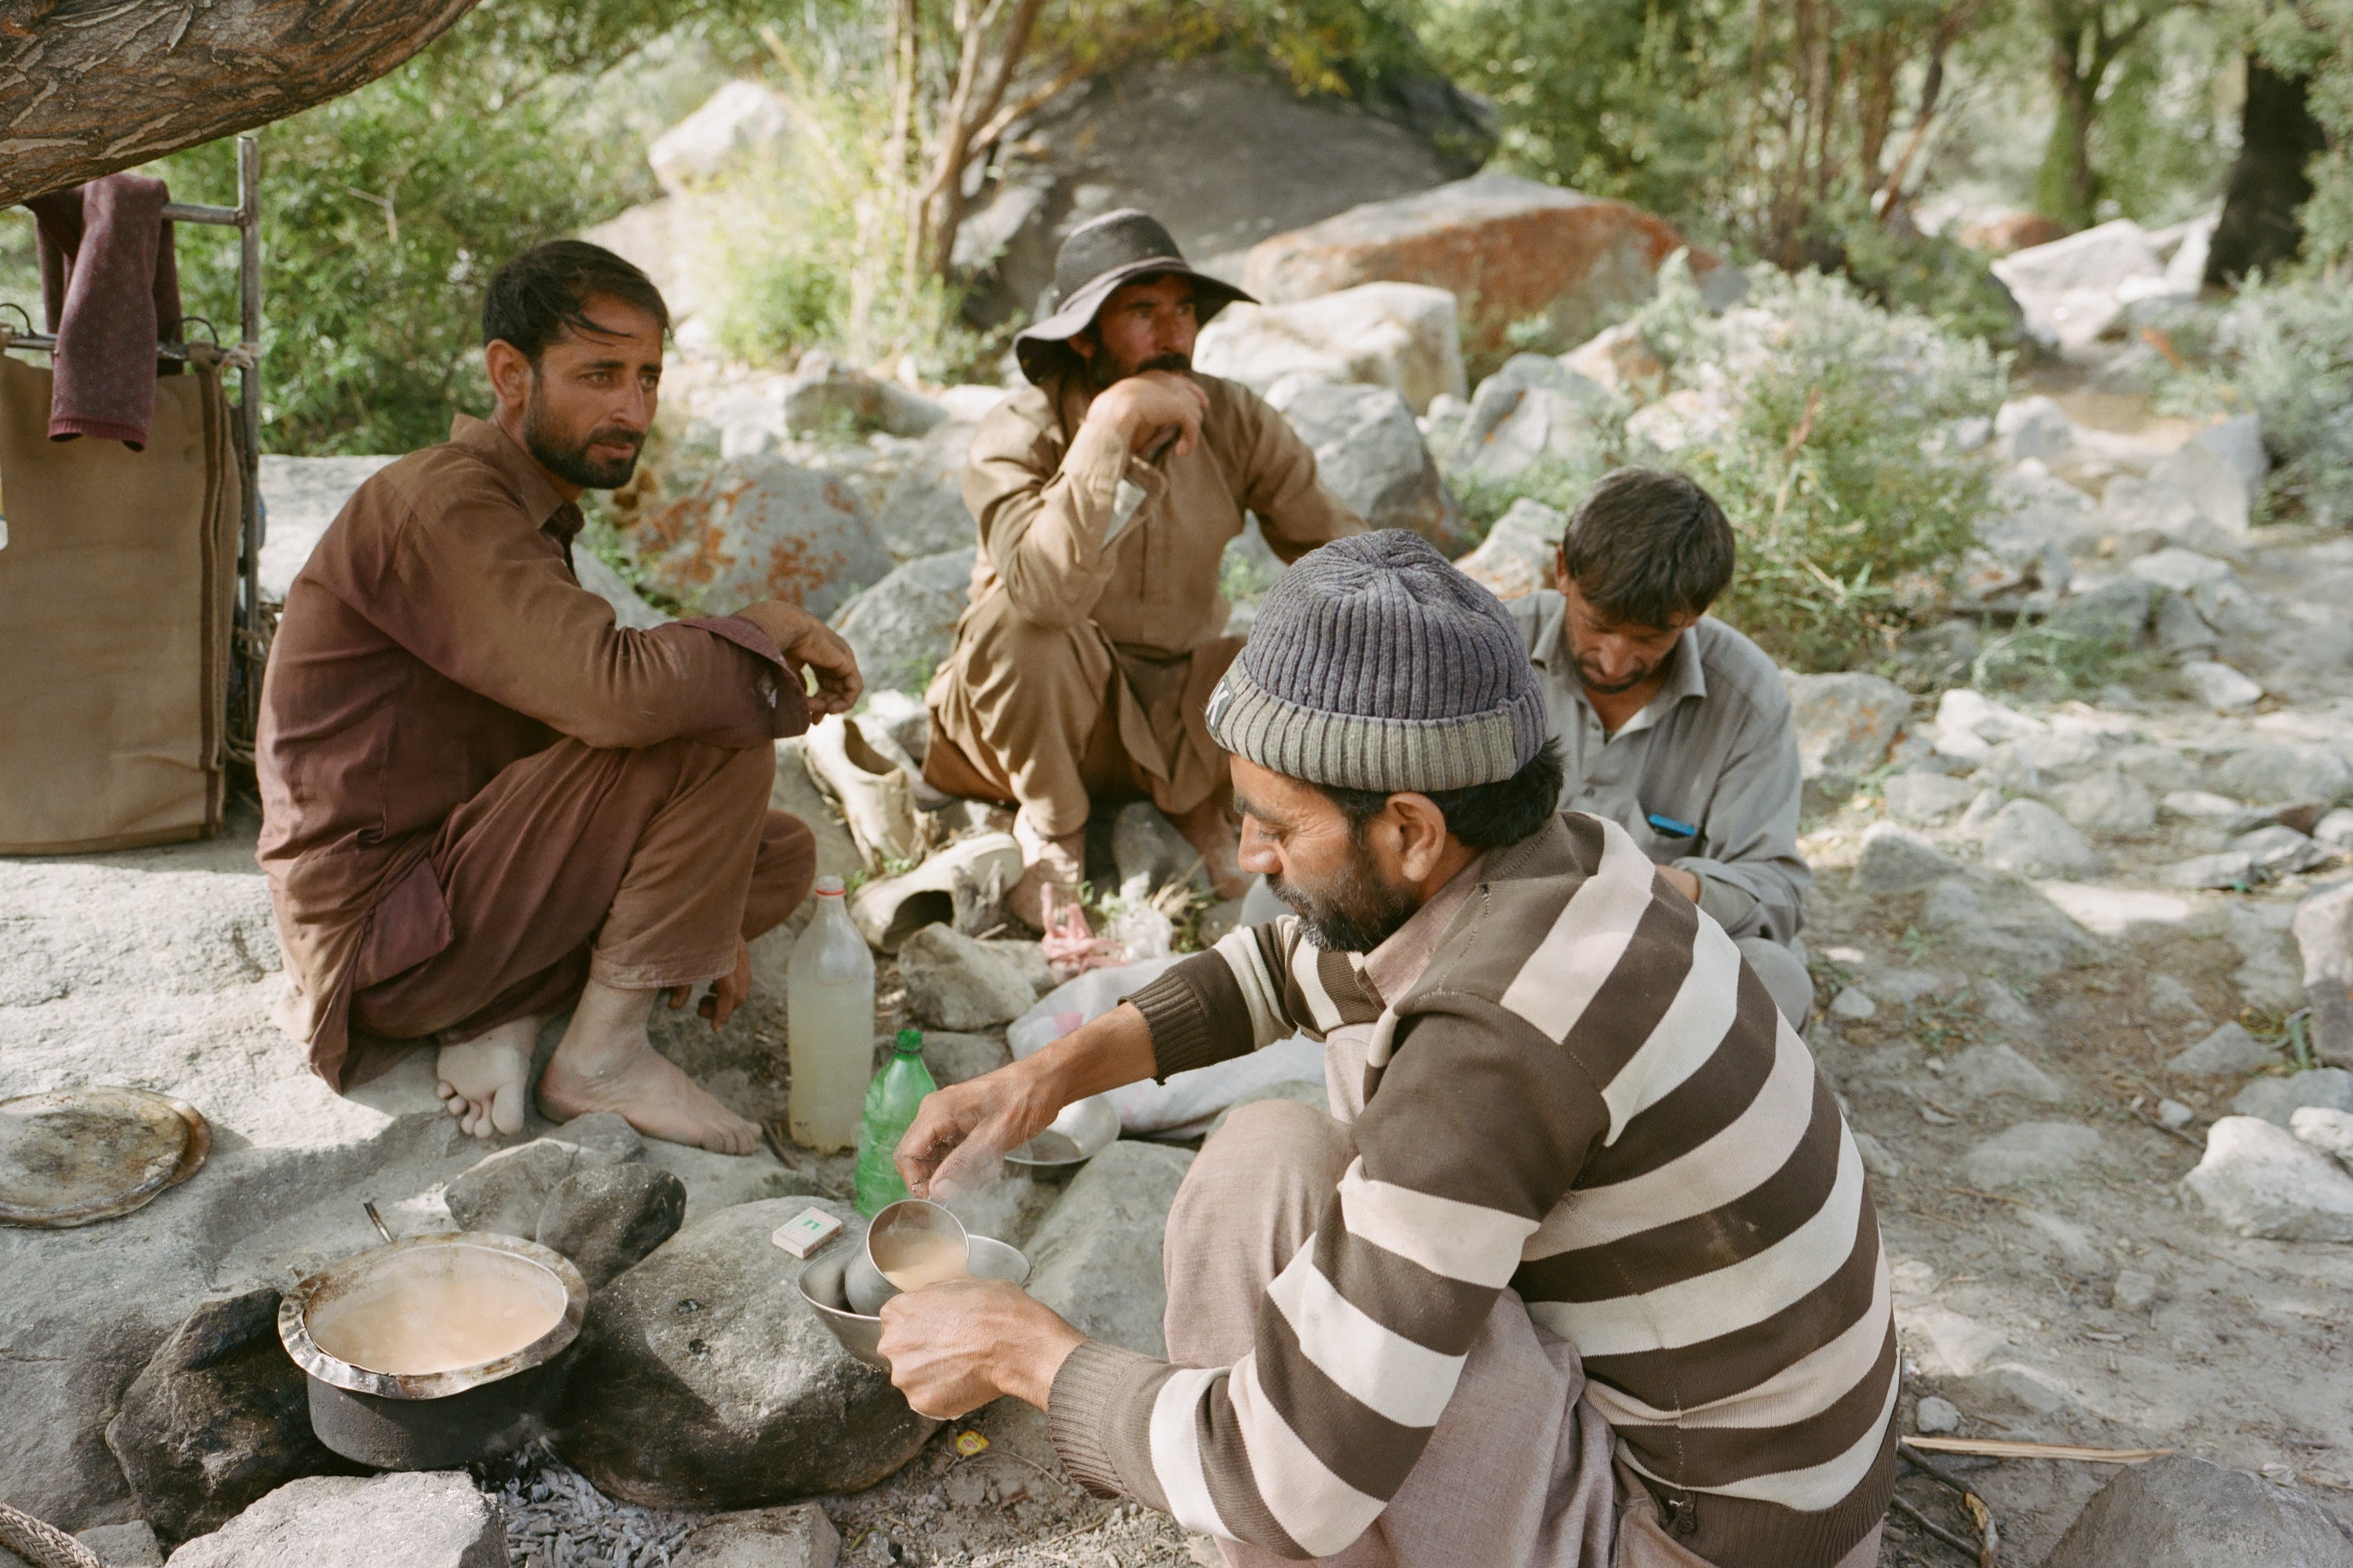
[[2285, 350], [1940, 278], [1827, 444]]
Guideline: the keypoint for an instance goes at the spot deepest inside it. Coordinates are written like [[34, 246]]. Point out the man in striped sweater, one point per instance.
[[1581, 1272]]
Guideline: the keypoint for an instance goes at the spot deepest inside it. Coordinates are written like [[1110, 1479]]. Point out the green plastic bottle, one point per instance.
[[891, 1100]]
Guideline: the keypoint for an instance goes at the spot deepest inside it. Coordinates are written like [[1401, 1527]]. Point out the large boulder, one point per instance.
[[2068, 288], [1369, 451], [903, 628], [1511, 248], [1516, 557], [1222, 153], [607, 1217], [1845, 725], [922, 512], [761, 527], [1403, 336], [740, 119], [824, 398], [2184, 1512], [220, 1418], [1533, 414], [2260, 1180], [422, 1518], [957, 982], [705, 1381], [1096, 1255]]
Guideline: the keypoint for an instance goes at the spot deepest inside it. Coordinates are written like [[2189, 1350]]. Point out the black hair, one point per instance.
[[534, 298], [1484, 817], [1646, 546]]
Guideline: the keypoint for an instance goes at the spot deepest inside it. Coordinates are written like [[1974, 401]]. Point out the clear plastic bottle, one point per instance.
[[891, 1101], [828, 1025]]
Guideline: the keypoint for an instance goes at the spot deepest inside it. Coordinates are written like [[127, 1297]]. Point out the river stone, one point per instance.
[[2033, 1150], [1369, 452], [1516, 558], [2184, 1512], [220, 1418], [795, 1536], [1096, 1255], [2108, 802], [506, 1192], [1896, 860], [903, 628], [2323, 925], [606, 1217], [2296, 770], [2228, 1052], [1925, 799], [956, 982], [1845, 725], [2277, 1099], [705, 1381], [1403, 336], [2029, 838], [2219, 687], [1983, 1071], [423, 1518], [2258, 1179], [2326, 1127]]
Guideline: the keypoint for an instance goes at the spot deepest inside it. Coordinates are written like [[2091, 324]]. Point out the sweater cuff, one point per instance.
[[1082, 1410], [1177, 1008], [1094, 463]]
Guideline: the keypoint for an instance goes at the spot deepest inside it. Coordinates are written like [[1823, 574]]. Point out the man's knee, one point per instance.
[[1270, 1146], [1784, 974]]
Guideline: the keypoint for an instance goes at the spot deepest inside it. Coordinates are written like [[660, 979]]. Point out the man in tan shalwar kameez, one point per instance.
[[1105, 495]]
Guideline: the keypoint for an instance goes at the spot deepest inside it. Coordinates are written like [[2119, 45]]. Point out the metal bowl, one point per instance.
[[859, 1333], [1084, 1130]]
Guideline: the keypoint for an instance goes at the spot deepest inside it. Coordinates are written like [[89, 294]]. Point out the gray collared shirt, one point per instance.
[[1714, 751]]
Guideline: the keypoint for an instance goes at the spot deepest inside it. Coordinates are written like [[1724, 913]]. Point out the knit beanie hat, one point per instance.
[[1375, 665]]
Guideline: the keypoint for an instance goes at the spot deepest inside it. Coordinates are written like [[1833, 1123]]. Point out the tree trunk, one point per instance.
[[89, 86], [2066, 189], [2278, 136]]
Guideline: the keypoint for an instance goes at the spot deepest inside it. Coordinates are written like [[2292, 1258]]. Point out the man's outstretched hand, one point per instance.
[[960, 1132], [808, 643]]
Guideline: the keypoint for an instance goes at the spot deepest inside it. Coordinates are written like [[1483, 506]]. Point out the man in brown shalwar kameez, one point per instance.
[[1105, 494], [483, 803]]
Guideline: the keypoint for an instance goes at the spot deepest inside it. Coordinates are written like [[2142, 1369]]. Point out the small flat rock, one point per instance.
[[2278, 850], [2033, 1150], [2219, 687], [2201, 806], [1096, 1254], [2134, 1291], [505, 1192], [1925, 799], [2015, 1387], [2173, 1114], [2326, 1127], [956, 982], [1876, 1158], [427, 1518], [1934, 1417], [2222, 869], [795, 1536], [2184, 1512], [1984, 1070], [1896, 860], [1853, 1003], [2229, 1052], [2277, 1099], [607, 1217], [2258, 1180], [2108, 802], [2029, 838]]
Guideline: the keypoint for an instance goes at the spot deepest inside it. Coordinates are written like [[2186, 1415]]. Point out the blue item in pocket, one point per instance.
[[1671, 828]]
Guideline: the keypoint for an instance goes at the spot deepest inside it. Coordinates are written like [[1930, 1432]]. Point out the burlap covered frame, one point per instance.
[[116, 596]]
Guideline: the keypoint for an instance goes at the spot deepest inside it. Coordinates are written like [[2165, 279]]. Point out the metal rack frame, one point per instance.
[[250, 635]]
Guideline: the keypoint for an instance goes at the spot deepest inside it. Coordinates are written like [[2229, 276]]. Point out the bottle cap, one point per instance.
[[910, 1041], [829, 886]]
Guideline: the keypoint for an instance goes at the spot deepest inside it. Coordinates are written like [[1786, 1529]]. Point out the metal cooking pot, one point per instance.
[[435, 1421]]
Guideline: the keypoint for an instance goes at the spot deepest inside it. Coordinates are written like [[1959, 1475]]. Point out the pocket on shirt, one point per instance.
[[409, 924]]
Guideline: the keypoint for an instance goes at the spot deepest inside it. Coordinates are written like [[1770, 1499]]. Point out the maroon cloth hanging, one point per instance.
[[111, 286]]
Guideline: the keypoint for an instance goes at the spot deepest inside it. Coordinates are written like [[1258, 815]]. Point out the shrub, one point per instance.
[[1821, 424], [2286, 350]]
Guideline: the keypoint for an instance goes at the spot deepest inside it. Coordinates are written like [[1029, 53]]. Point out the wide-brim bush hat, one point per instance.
[[1099, 256]]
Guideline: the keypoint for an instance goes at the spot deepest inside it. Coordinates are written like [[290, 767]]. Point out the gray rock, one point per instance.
[[2326, 1127], [2001, 1006], [2033, 1150], [2218, 686], [2239, 441], [893, 719], [2278, 850], [1877, 1159], [1027, 956], [428, 1519], [1402, 336], [1934, 1417], [1369, 451], [2134, 1291], [603, 1138], [1845, 725], [2229, 1052], [131, 1545], [2029, 838], [303, 495], [2003, 920], [795, 1536], [2007, 770], [2322, 926], [606, 1217], [761, 527], [2223, 870], [1853, 1004], [2257, 1179], [705, 1381], [220, 1418], [2182, 632], [1983, 1071], [955, 981], [2115, 613], [2184, 571], [2336, 829], [506, 1190], [1894, 860], [903, 627], [921, 511], [1922, 800], [1149, 852], [1097, 1252], [1516, 558], [742, 118], [1982, 808], [1533, 414], [824, 398], [2182, 1512], [2108, 802], [2157, 768], [2173, 1114], [2286, 771], [2277, 1099], [957, 1059]]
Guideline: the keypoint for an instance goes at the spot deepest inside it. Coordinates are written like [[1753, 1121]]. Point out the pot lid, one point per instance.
[[75, 1155]]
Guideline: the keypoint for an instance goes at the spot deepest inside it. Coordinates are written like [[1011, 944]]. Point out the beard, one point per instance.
[[1589, 677], [568, 460], [1103, 374], [1355, 913]]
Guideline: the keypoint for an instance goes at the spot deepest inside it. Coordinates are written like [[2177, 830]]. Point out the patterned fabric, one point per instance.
[[1584, 1096]]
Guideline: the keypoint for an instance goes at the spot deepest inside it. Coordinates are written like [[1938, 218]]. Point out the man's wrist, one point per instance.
[[1032, 1360]]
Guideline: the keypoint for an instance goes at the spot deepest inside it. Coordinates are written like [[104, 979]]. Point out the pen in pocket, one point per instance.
[[1671, 828]]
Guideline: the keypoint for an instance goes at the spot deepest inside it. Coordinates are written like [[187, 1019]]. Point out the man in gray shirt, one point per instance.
[[1673, 724]]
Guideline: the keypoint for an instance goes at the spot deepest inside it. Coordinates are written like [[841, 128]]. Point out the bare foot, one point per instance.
[[483, 1080], [654, 1093], [1205, 827], [1051, 869]]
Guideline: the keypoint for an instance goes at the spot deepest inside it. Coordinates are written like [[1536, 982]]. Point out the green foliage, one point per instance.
[[2048, 662], [1557, 485], [2315, 39], [1826, 449], [1929, 275], [2286, 350]]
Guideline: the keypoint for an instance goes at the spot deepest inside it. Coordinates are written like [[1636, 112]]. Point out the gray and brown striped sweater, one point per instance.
[[1585, 1097]]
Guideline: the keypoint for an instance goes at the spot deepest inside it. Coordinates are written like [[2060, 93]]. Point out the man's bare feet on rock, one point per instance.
[[607, 1063], [1052, 870], [484, 1081]]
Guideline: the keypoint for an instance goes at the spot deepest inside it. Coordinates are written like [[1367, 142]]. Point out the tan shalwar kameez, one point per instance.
[[1095, 631]]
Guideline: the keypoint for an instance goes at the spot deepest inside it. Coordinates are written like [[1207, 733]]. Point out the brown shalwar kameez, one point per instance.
[[476, 791], [1092, 641]]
